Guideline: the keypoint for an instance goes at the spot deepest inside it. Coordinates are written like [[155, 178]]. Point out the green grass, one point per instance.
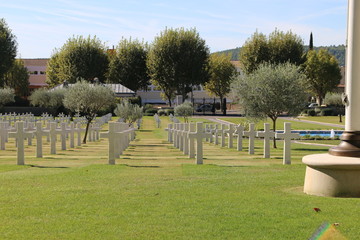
[[155, 192], [330, 142], [326, 119], [295, 125]]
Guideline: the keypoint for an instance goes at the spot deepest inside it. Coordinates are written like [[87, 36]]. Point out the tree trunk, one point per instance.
[[184, 96], [319, 101], [169, 101], [221, 102], [340, 118], [274, 129], [86, 130]]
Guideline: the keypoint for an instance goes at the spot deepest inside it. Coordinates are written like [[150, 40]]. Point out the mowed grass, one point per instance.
[[156, 192], [295, 125], [326, 119]]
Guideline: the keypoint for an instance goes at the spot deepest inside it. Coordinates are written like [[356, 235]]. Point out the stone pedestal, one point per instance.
[[332, 176]]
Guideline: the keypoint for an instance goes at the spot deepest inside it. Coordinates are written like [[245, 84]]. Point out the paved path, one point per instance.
[[315, 122], [314, 144]]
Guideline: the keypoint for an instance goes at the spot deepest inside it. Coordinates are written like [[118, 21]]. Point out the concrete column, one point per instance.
[[352, 80]]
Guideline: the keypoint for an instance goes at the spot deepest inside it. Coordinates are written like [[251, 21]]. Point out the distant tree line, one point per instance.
[[337, 51]]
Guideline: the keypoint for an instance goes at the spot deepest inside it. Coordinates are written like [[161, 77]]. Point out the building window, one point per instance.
[[42, 72]]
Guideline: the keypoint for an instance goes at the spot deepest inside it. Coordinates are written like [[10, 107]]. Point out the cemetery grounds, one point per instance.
[[156, 192]]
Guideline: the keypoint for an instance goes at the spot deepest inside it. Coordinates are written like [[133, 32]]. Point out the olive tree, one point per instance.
[[88, 100], [7, 95], [177, 60], [50, 99], [130, 113], [184, 110], [270, 91], [78, 58], [335, 100]]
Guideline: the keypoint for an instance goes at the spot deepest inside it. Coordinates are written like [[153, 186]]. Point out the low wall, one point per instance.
[[37, 111]]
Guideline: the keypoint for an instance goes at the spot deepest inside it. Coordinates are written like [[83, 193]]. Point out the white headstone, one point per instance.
[[3, 134], [78, 131], [216, 134], [230, 132], [170, 129], [251, 134], [223, 126], [112, 135], [20, 136], [287, 136], [39, 133], [53, 132], [267, 134], [239, 132], [64, 132], [185, 138], [191, 145], [198, 136]]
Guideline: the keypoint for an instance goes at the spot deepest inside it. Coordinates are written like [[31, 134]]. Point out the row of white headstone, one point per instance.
[[182, 135], [45, 117], [27, 130], [119, 137], [157, 120]]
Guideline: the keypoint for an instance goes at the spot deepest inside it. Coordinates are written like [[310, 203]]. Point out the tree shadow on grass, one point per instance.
[[311, 149], [135, 166], [38, 166]]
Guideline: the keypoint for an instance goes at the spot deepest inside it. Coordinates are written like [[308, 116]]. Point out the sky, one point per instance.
[[43, 26]]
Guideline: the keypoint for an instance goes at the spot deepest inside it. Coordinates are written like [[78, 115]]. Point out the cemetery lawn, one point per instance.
[[156, 192]]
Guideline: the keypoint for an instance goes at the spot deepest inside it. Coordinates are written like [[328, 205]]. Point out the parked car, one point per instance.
[[204, 108], [313, 105]]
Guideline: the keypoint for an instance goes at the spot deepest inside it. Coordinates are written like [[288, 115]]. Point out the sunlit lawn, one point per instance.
[[156, 192], [326, 119]]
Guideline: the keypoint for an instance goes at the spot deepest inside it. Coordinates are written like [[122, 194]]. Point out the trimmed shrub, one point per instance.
[[311, 112], [150, 112], [161, 112], [327, 112], [169, 111]]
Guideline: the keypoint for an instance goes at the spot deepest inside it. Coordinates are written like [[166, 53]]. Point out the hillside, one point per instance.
[[337, 51]]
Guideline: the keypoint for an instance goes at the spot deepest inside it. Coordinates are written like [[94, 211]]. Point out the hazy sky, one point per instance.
[[41, 26]]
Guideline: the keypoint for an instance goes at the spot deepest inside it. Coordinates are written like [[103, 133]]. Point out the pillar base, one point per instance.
[[349, 145], [332, 176]]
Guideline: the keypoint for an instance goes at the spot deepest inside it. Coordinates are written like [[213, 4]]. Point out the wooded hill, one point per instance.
[[337, 51]]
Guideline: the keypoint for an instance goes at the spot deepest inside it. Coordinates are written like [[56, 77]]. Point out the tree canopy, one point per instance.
[[88, 100], [7, 95], [322, 73], [221, 72], [51, 99], [130, 113], [184, 110], [128, 65], [17, 78], [8, 49], [79, 57], [177, 60], [278, 47], [270, 91]]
